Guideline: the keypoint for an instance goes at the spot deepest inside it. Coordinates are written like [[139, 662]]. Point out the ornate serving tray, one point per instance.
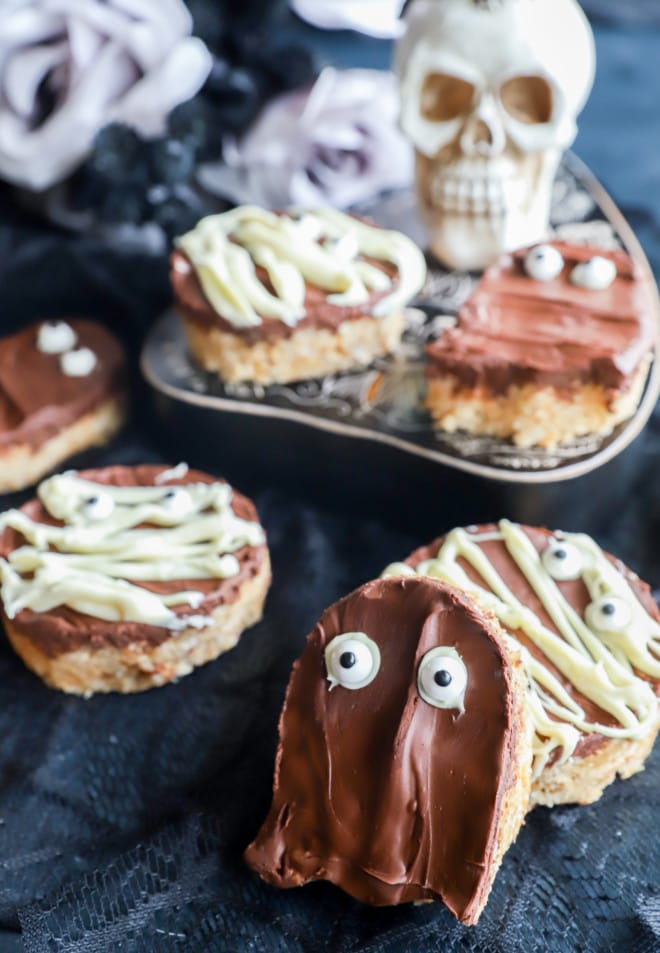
[[383, 403]]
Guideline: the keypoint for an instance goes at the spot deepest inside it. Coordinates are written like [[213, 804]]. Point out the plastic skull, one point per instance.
[[490, 93]]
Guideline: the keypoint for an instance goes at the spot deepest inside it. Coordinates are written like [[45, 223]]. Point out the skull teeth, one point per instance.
[[477, 196]]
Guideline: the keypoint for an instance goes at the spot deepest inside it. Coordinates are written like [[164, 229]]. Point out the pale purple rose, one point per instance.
[[338, 144], [68, 67], [378, 18]]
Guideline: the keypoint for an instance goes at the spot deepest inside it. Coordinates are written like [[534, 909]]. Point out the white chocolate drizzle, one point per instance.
[[603, 666], [174, 473], [323, 247], [91, 562]]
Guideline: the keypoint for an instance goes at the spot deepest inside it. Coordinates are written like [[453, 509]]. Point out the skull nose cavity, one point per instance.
[[482, 138]]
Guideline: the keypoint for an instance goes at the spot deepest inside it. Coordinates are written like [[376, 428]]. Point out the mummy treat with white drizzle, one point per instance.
[[126, 578], [61, 391], [590, 637], [275, 297], [554, 344], [403, 767]]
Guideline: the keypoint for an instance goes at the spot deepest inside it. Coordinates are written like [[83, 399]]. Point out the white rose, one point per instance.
[[338, 144], [69, 67], [378, 18]]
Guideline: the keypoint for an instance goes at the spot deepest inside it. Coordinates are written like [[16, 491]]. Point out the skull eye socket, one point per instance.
[[445, 97], [529, 99]]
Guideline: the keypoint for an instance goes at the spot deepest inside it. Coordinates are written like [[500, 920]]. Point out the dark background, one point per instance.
[[159, 793]]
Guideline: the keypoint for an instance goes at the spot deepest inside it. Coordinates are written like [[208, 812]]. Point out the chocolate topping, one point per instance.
[[574, 591], [64, 630], [376, 790], [37, 400], [320, 313], [514, 330]]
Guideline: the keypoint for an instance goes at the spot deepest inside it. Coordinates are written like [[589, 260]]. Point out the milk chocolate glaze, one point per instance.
[[575, 591], [64, 630], [193, 305], [37, 400], [376, 790], [515, 330]]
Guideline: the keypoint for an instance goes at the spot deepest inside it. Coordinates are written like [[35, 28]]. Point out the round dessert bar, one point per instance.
[[589, 632], [126, 578], [61, 391], [403, 766], [554, 344], [272, 298]]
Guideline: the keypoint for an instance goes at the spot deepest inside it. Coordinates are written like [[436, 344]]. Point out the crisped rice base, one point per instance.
[[515, 798], [309, 352], [532, 416], [23, 465], [140, 666], [583, 780]]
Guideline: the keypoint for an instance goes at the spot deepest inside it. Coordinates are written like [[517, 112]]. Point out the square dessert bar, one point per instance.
[[555, 343], [272, 298]]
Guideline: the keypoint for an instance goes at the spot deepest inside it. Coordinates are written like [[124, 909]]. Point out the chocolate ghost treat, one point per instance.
[[268, 297], [61, 391], [555, 343], [589, 632], [402, 772]]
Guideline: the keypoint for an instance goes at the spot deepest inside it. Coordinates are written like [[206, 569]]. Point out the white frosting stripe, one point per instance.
[[323, 247], [113, 537], [601, 665]]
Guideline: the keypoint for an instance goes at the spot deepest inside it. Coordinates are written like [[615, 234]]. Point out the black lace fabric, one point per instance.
[[123, 819]]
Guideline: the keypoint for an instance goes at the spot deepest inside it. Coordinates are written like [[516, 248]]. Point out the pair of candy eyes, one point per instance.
[[563, 562], [58, 337], [101, 506], [353, 660], [545, 262]]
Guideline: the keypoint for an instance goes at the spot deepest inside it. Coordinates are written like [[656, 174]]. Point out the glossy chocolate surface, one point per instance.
[[376, 790], [320, 313], [37, 399], [514, 330]]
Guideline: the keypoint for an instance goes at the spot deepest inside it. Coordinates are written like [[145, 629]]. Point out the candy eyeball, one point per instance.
[[98, 507], [442, 678], [56, 337], [352, 660], [78, 363], [562, 560], [178, 501], [608, 614], [597, 274], [543, 263]]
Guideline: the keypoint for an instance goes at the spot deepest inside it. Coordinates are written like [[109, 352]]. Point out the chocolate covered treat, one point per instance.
[[402, 771], [554, 344], [271, 298], [61, 391], [589, 632], [126, 578]]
